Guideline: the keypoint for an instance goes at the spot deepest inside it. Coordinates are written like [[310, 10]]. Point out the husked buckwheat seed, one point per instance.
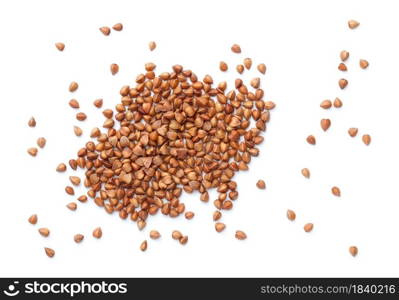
[[325, 124], [72, 206], [114, 69], [247, 63], [352, 24], [217, 215], [73, 86], [223, 66], [261, 184], [352, 131], [189, 215], [81, 116], [305, 172], [41, 142], [32, 122], [60, 46], [77, 130], [337, 103], [74, 103], [311, 140], [363, 64], [344, 55], [117, 27], [44, 232], [366, 139], [342, 67], [326, 104], [78, 238], [240, 235], [33, 219], [105, 30], [291, 215], [255, 82], [240, 69], [97, 233], [262, 68], [308, 227], [49, 252], [219, 227], [143, 246], [236, 48], [69, 190], [342, 83], [183, 240], [82, 198], [152, 45], [33, 151], [353, 250], [98, 103], [176, 235], [154, 234], [336, 191]]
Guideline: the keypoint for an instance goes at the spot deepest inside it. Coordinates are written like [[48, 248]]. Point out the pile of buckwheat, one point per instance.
[[172, 132]]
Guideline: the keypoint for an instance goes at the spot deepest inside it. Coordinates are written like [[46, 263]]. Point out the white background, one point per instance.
[[299, 41]]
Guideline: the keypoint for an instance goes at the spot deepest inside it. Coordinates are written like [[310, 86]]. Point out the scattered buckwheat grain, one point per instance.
[[305, 172], [32, 122], [308, 227], [366, 139], [117, 27], [326, 104], [81, 116], [97, 233], [337, 103], [74, 103], [336, 191], [311, 140], [240, 69], [353, 250], [342, 67], [41, 142], [32, 151], [49, 252], [98, 103], [143, 246], [105, 30], [60, 46], [363, 64], [325, 124], [44, 232], [236, 48], [219, 227], [78, 238], [73, 86], [342, 83], [154, 234], [247, 63], [352, 24], [33, 219], [261, 184], [114, 69], [344, 55], [223, 66], [352, 131], [240, 235], [262, 68], [291, 215], [152, 45], [72, 206], [189, 215]]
